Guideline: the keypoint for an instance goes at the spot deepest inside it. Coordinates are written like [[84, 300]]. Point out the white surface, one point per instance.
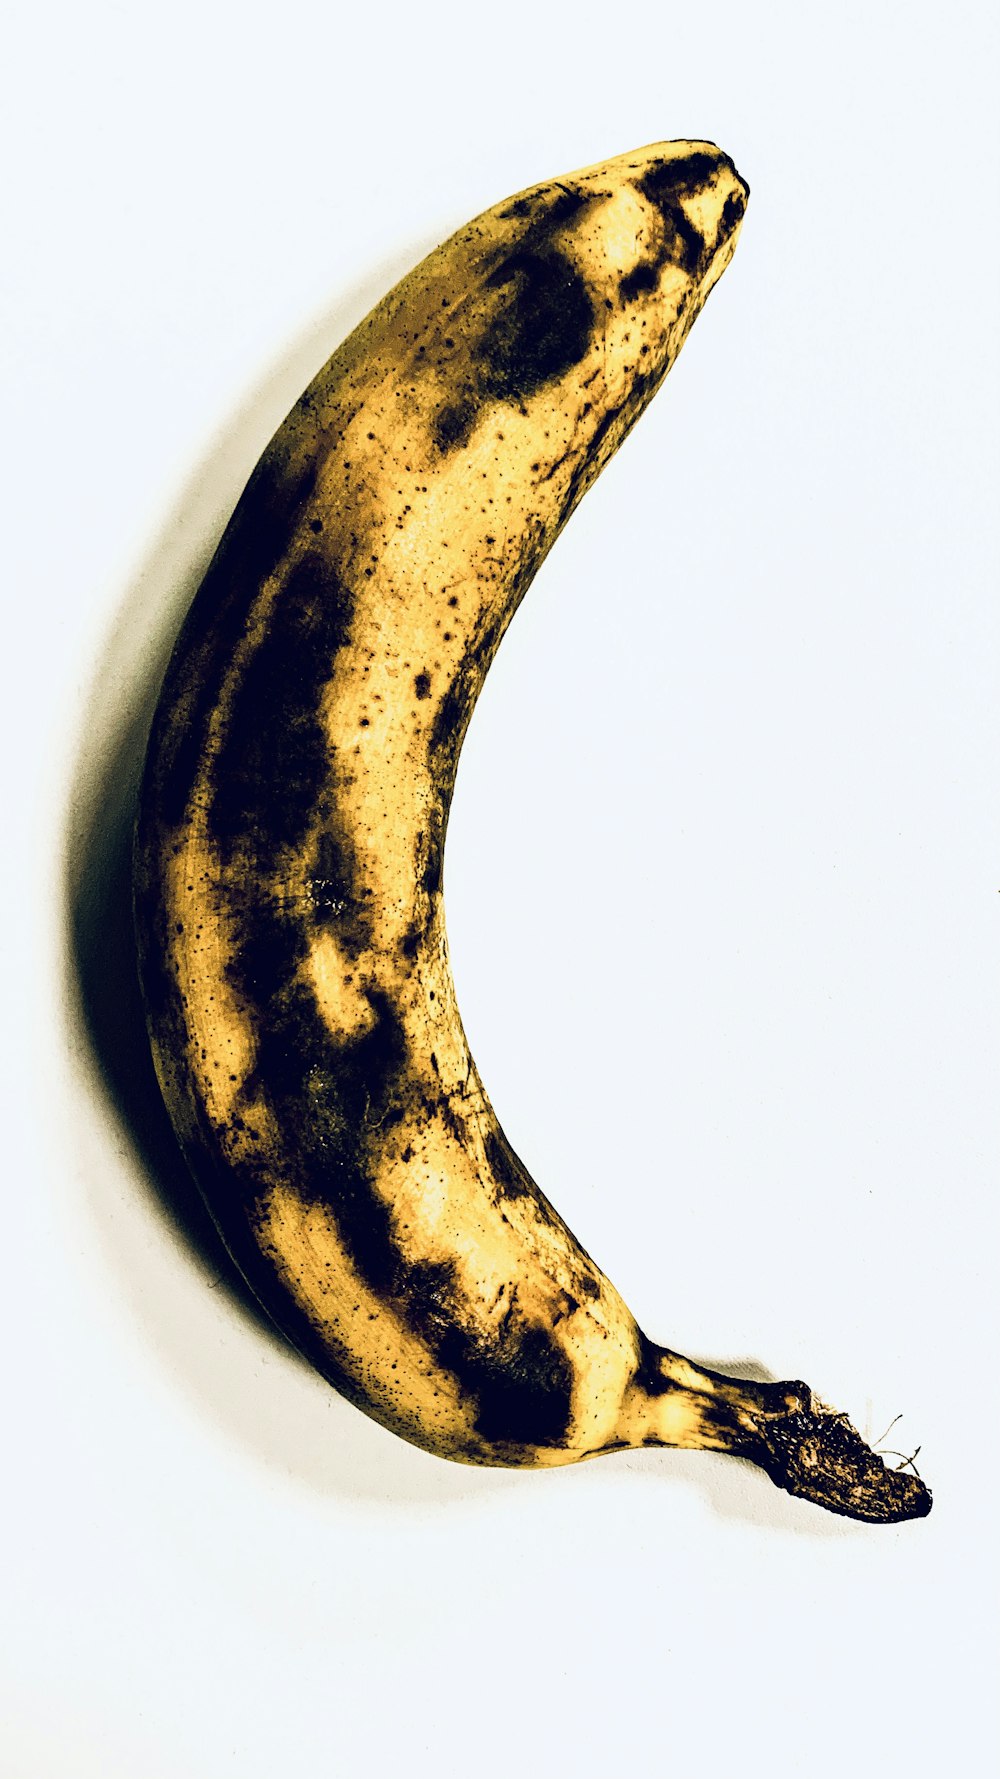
[[722, 890]]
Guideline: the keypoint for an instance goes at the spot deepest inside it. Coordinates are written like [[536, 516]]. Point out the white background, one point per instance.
[[722, 886]]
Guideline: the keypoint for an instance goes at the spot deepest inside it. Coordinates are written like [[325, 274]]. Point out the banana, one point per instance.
[[288, 863]]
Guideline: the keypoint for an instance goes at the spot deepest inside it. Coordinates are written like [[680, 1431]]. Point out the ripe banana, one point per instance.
[[292, 821]]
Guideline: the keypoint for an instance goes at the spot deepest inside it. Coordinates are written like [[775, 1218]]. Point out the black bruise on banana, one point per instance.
[[681, 243], [541, 325], [343, 1099], [297, 991], [332, 876], [522, 1383], [507, 1168], [336, 1094], [254, 544], [274, 764]]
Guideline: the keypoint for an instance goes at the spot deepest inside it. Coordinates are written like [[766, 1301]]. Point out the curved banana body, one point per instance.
[[289, 851]]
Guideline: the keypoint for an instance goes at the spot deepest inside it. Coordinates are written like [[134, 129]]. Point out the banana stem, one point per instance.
[[817, 1454], [805, 1448]]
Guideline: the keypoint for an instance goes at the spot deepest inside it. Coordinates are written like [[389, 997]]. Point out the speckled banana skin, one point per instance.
[[289, 848]]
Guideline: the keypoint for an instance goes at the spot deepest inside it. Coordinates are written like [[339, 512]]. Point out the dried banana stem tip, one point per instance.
[[821, 1457]]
